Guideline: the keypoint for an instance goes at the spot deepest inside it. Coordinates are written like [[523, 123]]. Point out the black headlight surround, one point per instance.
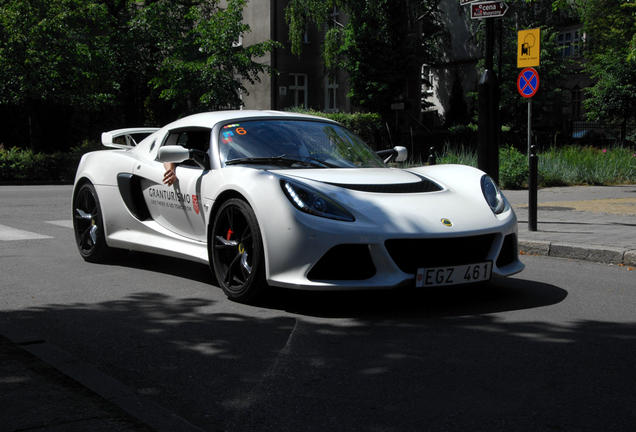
[[493, 195], [310, 201]]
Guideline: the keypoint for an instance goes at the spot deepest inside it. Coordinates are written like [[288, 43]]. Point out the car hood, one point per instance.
[[393, 198], [381, 180], [354, 175]]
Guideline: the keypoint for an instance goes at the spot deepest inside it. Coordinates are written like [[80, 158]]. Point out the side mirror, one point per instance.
[[402, 153], [173, 153], [178, 154], [397, 154]]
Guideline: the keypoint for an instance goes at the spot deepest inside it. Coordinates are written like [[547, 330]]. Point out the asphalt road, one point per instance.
[[551, 349]]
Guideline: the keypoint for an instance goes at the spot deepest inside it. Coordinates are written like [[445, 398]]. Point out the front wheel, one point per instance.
[[88, 225], [236, 252]]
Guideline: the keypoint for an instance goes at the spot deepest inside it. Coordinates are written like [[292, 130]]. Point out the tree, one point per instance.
[[53, 52], [203, 67], [97, 57], [610, 26], [380, 47], [610, 31], [613, 97]]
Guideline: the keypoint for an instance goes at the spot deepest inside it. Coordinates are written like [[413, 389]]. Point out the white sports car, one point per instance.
[[290, 200]]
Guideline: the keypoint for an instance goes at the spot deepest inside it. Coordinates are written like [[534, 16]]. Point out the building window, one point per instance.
[[570, 43], [334, 19], [331, 91], [299, 90], [427, 80]]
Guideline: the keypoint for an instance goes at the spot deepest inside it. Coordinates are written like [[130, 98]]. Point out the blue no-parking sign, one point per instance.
[[528, 82]]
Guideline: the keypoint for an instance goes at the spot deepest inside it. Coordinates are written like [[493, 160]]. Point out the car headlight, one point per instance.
[[310, 201], [493, 195]]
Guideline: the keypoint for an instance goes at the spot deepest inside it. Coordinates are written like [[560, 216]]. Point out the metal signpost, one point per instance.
[[528, 84], [488, 89]]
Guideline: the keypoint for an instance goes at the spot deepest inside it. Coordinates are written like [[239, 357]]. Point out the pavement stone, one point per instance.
[[594, 223]]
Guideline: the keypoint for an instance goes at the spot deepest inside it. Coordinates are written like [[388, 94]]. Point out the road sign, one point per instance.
[[465, 2], [493, 9], [528, 48], [528, 82]]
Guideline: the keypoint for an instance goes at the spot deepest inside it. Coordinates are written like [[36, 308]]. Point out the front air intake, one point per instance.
[[344, 262], [411, 254]]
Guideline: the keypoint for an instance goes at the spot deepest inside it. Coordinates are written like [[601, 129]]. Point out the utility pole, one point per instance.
[[488, 89]]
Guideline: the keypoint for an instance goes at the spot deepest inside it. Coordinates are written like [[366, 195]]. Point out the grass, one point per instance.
[[565, 166]]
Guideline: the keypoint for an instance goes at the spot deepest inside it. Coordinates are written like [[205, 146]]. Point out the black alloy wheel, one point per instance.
[[236, 252], [88, 225]]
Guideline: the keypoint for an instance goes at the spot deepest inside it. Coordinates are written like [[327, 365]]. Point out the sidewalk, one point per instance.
[[596, 223]]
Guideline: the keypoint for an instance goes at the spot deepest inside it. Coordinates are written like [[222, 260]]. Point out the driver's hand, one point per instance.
[[170, 175]]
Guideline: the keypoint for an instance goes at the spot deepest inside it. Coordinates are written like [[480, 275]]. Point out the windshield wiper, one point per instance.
[[283, 160]]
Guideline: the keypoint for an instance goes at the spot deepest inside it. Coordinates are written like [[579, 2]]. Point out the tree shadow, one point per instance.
[[404, 360]]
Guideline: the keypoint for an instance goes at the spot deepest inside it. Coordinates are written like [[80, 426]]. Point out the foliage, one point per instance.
[[513, 168], [54, 50], [201, 65], [614, 95], [143, 60], [610, 31], [19, 165], [546, 104], [588, 166], [458, 155], [558, 166], [376, 29]]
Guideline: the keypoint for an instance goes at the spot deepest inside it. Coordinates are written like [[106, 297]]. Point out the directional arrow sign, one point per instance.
[[494, 9]]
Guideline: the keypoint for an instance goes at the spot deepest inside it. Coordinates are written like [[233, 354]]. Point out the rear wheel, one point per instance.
[[88, 225], [236, 252]]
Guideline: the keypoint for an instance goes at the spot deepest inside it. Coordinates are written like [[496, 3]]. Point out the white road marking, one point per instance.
[[10, 234], [62, 223]]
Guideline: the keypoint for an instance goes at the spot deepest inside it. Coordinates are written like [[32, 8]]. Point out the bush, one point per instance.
[[18, 165], [566, 166], [514, 171]]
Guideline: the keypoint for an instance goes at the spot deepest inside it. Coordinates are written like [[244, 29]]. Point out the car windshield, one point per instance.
[[294, 143]]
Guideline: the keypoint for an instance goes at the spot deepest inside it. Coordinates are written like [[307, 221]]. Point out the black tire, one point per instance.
[[236, 252], [88, 225]]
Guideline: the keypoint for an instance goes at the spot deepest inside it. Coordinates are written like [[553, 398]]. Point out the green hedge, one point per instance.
[[20, 165]]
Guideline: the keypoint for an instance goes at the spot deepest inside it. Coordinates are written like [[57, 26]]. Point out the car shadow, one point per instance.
[[406, 303]]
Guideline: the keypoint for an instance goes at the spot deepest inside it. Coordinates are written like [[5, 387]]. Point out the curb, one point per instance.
[[602, 254]]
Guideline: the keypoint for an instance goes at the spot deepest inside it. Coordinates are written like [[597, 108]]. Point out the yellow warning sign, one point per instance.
[[528, 48]]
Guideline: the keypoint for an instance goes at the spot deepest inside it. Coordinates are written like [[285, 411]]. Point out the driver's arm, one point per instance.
[[170, 175]]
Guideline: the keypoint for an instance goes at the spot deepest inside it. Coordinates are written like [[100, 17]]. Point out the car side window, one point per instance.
[[197, 139]]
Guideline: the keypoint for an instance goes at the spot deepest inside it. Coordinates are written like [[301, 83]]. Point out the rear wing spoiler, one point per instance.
[[126, 135]]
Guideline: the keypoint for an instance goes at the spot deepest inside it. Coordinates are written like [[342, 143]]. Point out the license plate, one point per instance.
[[443, 276]]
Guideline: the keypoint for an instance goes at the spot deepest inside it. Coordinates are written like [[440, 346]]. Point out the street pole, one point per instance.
[[488, 118], [533, 164]]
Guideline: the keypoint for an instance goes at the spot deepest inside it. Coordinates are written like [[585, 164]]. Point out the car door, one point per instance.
[[178, 208]]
